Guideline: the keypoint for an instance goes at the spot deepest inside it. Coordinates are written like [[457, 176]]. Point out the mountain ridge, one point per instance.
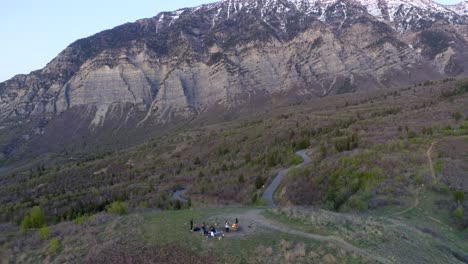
[[179, 64]]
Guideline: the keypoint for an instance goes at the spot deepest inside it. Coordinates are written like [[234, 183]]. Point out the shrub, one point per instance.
[[254, 198], [35, 219], [259, 182], [44, 233], [25, 224], [459, 196], [197, 161], [297, 160], [54, 246], [457, 116], [458, 213], [412, 134], [117, 208], [302, 144], [347, 143], [439, 165], [241, 178], [81, 219]]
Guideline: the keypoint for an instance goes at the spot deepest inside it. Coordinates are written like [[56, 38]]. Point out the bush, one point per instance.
[[35, 219], [44, 233], [458, 213], [241, 178], [439, 166], [118, 208], [297, 160], [347, 143], [25, 224], [459, 196], [259, 182], [54, 246], [81, 219], [303, 143], [254, 198], [457, 116]]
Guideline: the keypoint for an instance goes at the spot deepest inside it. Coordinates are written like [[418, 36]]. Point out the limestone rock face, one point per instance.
[[179, 64]]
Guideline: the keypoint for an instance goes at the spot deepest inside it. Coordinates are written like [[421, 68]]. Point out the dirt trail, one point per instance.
[[269, 193], [256, 219], [416, 193], [414, 205]]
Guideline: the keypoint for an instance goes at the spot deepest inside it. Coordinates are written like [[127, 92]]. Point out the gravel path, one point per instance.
[[269, 193]]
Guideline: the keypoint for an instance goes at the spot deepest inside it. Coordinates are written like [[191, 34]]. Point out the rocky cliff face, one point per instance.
[[182, 63]]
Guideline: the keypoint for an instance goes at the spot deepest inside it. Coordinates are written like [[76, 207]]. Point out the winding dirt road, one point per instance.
[[256, 217], [269, 192]]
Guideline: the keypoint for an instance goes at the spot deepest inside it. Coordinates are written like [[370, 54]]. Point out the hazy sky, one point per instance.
[[33, 32]]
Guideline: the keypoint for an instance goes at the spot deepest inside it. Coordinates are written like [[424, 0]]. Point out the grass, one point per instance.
[[406, 239], [172, 226]]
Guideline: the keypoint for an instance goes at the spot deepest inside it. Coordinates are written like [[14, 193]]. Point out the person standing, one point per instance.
[[191, 224], [226, 225]]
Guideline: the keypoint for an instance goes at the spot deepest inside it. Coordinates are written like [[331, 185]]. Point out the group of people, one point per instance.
[[212, 231]]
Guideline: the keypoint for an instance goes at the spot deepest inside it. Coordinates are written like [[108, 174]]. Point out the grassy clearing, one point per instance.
[[398, 241]]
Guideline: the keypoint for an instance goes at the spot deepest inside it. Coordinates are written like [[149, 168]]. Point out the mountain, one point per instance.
[[227, 55]]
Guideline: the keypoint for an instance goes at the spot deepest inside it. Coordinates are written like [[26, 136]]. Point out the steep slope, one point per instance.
[[229, 53]]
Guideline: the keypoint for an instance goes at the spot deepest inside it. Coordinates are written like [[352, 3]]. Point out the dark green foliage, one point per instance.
[[347, 143], [44, 233], [25, 224], [241, 178], [35, 219], [458, 213], [303, 143], [459, 196], [196, 161], [254, 198], [117, 207], [259, 182], [457, 116], [177, 205], [54, 246], [411, 135], [273, 159]]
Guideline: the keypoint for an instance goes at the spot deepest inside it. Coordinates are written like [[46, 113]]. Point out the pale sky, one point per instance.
[[33, 32]]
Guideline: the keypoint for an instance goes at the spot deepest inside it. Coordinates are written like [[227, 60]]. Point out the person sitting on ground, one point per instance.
[[203, 228]]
